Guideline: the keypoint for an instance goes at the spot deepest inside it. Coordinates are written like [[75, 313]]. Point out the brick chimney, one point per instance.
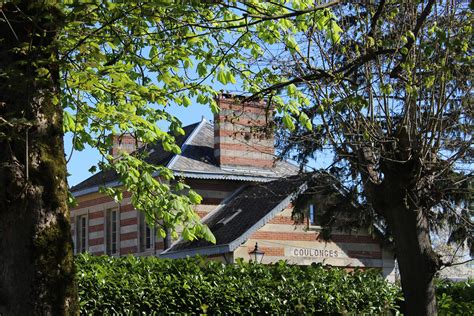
[[243, 135], [123, 143]]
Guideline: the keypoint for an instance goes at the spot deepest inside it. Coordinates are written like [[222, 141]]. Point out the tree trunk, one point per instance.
[[36, 258], [416, 261], [409, 227]]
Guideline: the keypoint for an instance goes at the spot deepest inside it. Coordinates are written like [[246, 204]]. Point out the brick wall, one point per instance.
[[243, 136], [96, 205], [282, 239]]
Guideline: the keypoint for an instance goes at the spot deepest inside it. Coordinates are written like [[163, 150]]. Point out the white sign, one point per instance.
[[313, 253]]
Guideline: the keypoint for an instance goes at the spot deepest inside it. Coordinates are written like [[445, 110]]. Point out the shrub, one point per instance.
[[455, 298], [195, 286]]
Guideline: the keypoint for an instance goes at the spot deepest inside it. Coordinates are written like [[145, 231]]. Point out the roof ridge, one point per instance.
[[188, 139]]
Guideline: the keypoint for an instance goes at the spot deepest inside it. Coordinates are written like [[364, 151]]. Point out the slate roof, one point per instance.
[[157, 156], [197, 157], [195, 161], [243, 213]]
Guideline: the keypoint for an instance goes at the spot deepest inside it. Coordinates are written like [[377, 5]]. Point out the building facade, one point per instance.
[[231, 164]]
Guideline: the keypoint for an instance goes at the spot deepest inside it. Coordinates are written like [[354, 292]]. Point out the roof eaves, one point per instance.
[[186, 174], [95, 188], [204, 251], [221, 176]]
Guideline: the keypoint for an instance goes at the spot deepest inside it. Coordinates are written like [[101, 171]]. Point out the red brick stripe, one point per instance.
[[96, 228], [244, 121], [197, 185], [269, 251], [96, 241], [100, 200], [246, 148], [128, 221], [246, 161], [128, 236], [211, 201], [309, 236], [127, 250], [365, 254], [127, 208], [354, 239], [256, 107], [98, 214], [282, 220]]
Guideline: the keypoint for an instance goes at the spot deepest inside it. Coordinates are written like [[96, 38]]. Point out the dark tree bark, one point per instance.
[[416, 260], [36, 258], [395, 199]]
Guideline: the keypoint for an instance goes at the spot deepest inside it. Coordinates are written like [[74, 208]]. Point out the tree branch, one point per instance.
[[411, 40], [450, 264], [373, 23], [294, 13], [322, 74]]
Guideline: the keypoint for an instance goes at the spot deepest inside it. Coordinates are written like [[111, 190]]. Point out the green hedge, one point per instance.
[[455, 298], [133, 285]]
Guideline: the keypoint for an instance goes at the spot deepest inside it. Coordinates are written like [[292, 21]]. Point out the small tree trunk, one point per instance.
[[36, 259]]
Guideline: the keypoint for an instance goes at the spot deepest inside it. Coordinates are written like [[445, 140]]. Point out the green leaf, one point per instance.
[[288, 121], [291, 43], [370, 41], [162, 232], [292, 90], [335, 32], [221, 77], [230, 77], [186, 101], [69, 122], [201, 69], [305, 121], [214, 107], [194, 197]]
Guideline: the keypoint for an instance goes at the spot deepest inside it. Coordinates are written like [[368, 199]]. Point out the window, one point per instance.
[[147, 234], [312, 216], [81, 233], [112, 233]]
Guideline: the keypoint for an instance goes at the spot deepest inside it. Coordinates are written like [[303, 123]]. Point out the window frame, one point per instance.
[[82, 233], [112, 231], [145, 234], [312, 221]]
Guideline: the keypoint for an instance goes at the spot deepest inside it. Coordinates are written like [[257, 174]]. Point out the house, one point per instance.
[[247, 199]]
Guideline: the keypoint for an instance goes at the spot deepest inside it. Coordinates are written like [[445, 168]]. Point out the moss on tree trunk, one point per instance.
[[36, 257]]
